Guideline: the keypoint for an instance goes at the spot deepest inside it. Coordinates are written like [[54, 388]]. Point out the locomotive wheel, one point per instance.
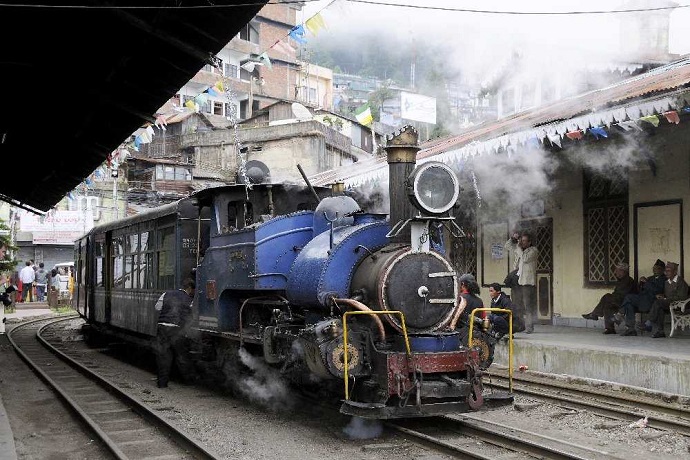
[[481, 341]]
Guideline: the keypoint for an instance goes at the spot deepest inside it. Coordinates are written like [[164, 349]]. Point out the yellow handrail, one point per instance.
[[346, 351], [510, 338]]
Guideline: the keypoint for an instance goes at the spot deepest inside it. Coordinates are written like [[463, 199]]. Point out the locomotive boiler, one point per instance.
[[361, 305]]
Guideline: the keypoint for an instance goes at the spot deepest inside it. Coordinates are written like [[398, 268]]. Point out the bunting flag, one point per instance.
[[555, 140], [190, 104], [297, 34], [284, 47], [161, 122], [264, 60], [598, 132], [315, 23], [533, 141], [137, 144], [70, 195], [672, 117], [144, 138], [201, 98], [652, 119], [149, 129], [219, 87], [628, 125], [574, 135], [249, 66], [363, 115], [211, 91]]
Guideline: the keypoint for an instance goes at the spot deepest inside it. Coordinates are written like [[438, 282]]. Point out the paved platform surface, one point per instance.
[[656, 364]]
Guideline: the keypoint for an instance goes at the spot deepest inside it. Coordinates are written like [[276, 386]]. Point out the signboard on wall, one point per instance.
[[418, 107], [57, 227]]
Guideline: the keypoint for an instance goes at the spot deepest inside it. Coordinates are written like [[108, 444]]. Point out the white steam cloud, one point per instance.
[[360, 428], [265, 386]]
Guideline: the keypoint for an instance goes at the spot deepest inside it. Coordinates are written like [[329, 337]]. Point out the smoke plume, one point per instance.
[[265, 386], [360, 428]]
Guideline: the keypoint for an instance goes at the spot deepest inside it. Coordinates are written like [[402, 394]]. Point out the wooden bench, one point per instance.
[[680, 315]]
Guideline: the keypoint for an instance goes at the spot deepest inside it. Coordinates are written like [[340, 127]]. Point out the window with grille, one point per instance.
[[605, 204], [230, 70]]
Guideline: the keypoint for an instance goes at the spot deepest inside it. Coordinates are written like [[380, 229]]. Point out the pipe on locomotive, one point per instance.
[[401, 155], [360, 306]]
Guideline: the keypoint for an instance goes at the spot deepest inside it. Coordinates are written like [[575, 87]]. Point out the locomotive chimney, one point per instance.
[[401, 154]]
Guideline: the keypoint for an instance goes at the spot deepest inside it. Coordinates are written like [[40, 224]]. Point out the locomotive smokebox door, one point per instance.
[[422, 285]]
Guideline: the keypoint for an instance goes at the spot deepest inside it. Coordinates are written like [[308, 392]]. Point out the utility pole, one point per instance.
[[114, 175]]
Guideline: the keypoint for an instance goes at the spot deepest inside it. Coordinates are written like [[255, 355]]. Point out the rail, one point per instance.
[[92, 397]]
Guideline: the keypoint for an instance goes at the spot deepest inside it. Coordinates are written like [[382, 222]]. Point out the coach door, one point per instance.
[[541, 230]]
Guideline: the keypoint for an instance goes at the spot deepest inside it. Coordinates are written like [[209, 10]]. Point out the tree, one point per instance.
[[376, 99], [7, 264]]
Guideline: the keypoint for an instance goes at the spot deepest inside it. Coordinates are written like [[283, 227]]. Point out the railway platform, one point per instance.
[[660, 365]]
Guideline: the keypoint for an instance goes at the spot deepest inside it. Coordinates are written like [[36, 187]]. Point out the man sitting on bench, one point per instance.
[[642, 302], [675, 289]]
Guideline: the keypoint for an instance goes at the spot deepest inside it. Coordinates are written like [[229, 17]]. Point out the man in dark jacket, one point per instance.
[[174, 319], [649, 288], [675, 288], [610, 304], [500, 299]]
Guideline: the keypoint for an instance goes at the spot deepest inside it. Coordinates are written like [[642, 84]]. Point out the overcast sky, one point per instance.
[[477, 42]]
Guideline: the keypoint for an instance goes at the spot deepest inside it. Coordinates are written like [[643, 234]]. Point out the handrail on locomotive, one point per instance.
[[510, 337]]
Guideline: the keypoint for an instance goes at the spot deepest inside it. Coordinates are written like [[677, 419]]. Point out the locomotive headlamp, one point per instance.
[[433, 187]]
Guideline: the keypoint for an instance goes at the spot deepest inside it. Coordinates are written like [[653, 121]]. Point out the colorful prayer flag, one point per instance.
[[297, 34], [190, 104], [363, 115], [574, 135], [283, 47], [161, 122], [249, 66], [201, 99], [652, 119], [672, 117], [598, 132], [219, 87], [263, 59], [315, 23]]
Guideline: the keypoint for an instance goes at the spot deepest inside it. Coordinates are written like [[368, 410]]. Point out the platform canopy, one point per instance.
[[79, 78]]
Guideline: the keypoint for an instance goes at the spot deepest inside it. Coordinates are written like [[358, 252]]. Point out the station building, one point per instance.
[[599, 178]]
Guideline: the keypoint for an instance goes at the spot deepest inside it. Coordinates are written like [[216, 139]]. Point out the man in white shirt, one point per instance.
[[27, 276], [525, 294]]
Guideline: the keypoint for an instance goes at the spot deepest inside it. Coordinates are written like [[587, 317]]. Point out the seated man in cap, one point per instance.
[[649, 288], [675, 288], [610, 304], [500, 299]]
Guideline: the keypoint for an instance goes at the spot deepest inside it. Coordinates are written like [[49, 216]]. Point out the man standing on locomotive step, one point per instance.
[[174, 320], [525, 294]]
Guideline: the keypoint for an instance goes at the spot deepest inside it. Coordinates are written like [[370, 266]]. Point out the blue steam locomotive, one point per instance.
[[363, 305]]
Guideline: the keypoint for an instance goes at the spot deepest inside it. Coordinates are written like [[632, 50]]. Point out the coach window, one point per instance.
[[146, 261], [99, 253], [131, 250], [118, 261], [166, 258]]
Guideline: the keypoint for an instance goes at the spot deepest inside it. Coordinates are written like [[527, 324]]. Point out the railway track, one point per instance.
[[126, 426], [470, 437], [614, 405]]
